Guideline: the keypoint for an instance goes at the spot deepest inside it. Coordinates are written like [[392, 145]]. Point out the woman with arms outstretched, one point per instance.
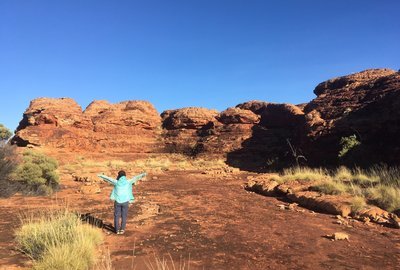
[[122, 195]]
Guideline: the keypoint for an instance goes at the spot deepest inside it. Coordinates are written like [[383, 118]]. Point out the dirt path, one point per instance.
[[218, 225]]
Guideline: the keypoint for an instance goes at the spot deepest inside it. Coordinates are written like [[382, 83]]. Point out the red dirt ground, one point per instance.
[[213, 224]]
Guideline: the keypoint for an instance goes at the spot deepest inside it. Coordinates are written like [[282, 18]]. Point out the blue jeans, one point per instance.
[[120, 210]]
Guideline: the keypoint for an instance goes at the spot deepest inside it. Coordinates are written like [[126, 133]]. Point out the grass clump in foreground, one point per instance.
[[386, 197], [379, 185], [58, 240]]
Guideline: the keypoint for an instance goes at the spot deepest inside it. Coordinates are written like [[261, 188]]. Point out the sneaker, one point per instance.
[[118, 232], [121, 231]]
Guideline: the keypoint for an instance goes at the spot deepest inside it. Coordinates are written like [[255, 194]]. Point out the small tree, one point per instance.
[[38, 171], [348, 143], [5, 133]]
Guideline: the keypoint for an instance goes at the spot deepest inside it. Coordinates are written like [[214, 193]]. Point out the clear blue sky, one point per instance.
[[208, 53]]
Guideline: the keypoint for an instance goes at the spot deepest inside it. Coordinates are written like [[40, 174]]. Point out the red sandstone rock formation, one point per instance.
[[268, 145], [238, 116], [234, 126], [255, 106], [365, 104], [130, 126], [182, 128], [188, 118]]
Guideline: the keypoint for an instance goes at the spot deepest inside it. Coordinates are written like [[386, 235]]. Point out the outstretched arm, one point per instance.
[[137, 178], [107, 179]]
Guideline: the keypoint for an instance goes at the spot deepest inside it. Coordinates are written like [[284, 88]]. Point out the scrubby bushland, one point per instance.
[[379, 185], [58, 240], [38, 172]]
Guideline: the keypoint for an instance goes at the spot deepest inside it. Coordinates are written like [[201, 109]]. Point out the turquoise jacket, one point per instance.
[[122, 191]]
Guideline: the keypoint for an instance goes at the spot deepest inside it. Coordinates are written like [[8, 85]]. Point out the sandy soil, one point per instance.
[[212, 224]]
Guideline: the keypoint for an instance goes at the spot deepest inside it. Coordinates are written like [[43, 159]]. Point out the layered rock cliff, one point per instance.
[[261, 134], [129, 126], [364, 104]]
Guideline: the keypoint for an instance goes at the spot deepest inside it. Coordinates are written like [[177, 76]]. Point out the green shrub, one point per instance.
[[348, 143], [58, 240], [38, 171], [5, 133]]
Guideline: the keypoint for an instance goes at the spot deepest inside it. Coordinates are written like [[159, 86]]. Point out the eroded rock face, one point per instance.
[[183, 127], [365, 104], [124, 117], [238, 116], [188, 118], [255, 106], [54, 122], [282, 116], [130, 126], [280, 126], [56, 112], [234, 126]]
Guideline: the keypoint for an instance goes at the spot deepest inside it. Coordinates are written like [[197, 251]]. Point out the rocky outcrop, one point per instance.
[[183, 127], [188, 118], [52, 122], [255, 106], [238, 116], [130, 126], [234, 126], [196, 131], [364, 105], [280, 127]]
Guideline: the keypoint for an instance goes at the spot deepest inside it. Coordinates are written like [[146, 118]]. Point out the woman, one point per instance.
[[122, 195]]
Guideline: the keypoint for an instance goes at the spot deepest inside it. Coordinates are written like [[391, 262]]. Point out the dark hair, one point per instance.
[[120, 174]]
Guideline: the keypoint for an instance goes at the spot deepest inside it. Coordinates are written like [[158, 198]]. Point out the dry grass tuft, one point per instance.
[[331, 187], [386, 197], [58, 240], [304, 174], [379, 184], [358, 203]]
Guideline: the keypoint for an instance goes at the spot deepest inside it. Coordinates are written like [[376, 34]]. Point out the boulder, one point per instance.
[[255, 106], [282, 116], [238, 116], [188, 118]]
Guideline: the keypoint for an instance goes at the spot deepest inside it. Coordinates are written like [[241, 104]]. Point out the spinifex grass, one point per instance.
[[58, 240], [379, 185]]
